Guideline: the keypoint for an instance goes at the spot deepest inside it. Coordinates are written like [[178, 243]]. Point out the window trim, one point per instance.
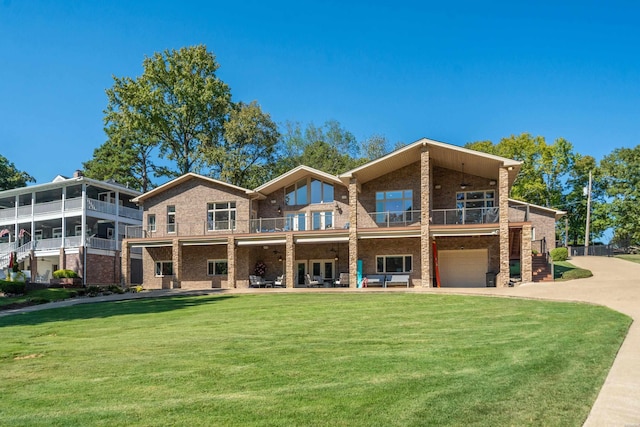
[[404, 263], [171, 219], [232, 222], [294, 191], [159, 264], [212, 262], [151, 225]]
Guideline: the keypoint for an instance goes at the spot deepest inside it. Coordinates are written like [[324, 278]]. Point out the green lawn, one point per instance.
[[38, 296], [307, 359], [564, 270], [630, 257]]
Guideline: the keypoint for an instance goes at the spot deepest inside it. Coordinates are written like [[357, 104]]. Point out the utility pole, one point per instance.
[[586, 233]]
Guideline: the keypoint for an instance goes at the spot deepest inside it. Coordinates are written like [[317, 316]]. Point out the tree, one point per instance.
[[247, 150], [11, 177], [330, 148], [621, 171], [575, 200], [126, 161], [544, 166], [178, 104]]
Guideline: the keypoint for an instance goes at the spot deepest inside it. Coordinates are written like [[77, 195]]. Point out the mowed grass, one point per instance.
[[630, 257], [307, 360]]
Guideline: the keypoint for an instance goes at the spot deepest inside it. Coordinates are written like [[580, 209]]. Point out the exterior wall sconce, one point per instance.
[[437, 186], [492, 182], [279, 209], [280, 258], [338, 208]]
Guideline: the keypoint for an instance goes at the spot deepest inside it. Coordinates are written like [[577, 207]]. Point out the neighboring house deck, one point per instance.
[[75, 223], [425, 205]]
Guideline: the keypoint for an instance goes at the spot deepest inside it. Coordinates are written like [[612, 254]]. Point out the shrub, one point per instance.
[[12, 288], [559, 254], [115, 289], [93, 291], [61, 274]]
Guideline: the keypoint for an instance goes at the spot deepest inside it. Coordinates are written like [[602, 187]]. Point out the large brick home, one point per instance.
[[395, 215]]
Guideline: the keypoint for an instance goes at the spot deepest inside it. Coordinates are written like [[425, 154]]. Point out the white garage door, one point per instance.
[[463, 269]]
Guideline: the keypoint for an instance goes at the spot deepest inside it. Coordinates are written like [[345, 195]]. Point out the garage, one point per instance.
[[463, 268]]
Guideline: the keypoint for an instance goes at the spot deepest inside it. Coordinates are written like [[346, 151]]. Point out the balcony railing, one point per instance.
[[395, 218], [465, 216], [70, 205]]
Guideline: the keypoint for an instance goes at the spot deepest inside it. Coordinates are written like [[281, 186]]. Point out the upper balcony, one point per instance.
[[24, 213]]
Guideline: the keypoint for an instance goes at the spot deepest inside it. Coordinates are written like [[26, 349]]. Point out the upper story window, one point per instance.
[[151, 222], [171, 219], [476, 206], [221, 216], [308, 190], [394, 206]]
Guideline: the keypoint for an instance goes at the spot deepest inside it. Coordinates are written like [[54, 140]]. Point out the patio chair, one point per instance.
[[42, 278], [259, 282], [279, 282], [343, 280], [312, 283]]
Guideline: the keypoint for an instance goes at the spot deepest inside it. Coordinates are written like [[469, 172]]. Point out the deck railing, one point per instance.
[[395, 218], [73, 204], [465, 216]]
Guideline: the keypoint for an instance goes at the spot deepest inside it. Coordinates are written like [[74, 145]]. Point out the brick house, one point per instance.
[[398, 214], [73, 223]]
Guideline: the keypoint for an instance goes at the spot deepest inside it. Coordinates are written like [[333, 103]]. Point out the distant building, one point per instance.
[[70, 223]]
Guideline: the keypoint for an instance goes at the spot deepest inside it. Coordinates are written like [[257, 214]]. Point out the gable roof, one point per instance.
[[295, 175], [184, 178], [440, 154], [556, 212]]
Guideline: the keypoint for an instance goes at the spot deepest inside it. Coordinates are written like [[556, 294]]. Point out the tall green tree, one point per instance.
[[11, 177], [178, 103], [543, 170], [621, 171], [247, 150]]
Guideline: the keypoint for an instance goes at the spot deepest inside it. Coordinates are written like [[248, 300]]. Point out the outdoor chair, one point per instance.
[[343, 280], [312, 283], [279, 282]]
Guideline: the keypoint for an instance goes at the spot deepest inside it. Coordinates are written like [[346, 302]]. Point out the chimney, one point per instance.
[[78, 173]]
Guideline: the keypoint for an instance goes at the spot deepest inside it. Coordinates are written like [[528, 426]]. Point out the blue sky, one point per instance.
[[458, 71]]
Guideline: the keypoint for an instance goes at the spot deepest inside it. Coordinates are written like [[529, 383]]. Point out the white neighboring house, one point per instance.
[[70, 223]]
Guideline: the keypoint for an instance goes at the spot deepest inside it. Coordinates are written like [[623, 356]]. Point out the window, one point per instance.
[[308, 191], [321, 220], [164, 268], [56, 232], [473, 206], [296, 221], [151, 222], [394, 206], [171, 219], [394, 264], [217, 267], [221, 216]]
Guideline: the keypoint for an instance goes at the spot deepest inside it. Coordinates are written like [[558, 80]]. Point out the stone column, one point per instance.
[[526, 267], [125, 260], [425, 214], [176, 258], [353, 233], [33, 264], [503, 203], [289, 262], [231, 262]]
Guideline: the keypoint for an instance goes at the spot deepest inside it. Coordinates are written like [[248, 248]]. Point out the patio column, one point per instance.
[[353, 233], [526, 267], [176, 258], [289, 260], [425, 214], [125, 260], [503, 202], [231, 262]]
